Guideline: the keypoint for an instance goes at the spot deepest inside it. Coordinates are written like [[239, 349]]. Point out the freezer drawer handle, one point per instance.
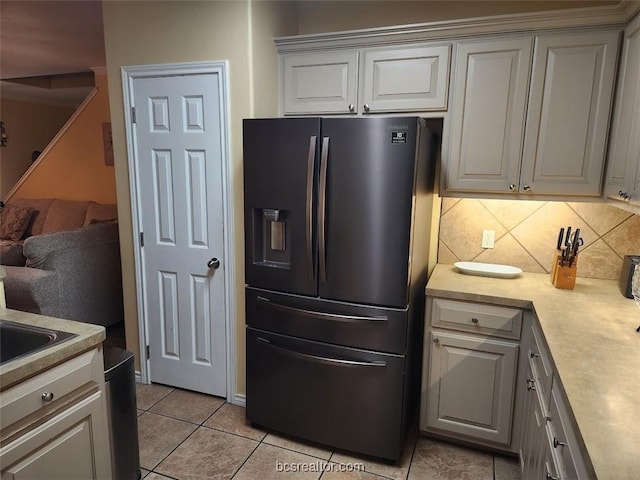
[[322, 214], [309, 207], [318, 359], [327, 316]]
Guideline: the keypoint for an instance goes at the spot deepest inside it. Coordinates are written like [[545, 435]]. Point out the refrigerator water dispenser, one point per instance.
[[270, 242]]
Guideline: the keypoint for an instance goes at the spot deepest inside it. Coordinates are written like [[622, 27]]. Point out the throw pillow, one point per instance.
[[14, 221]]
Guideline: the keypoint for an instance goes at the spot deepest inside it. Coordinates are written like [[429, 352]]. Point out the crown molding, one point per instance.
[[616, 15]]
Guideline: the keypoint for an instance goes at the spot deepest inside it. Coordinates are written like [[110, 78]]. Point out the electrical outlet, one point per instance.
[[488, 238]]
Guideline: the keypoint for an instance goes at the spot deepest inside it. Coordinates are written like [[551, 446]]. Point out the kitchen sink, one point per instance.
[[18, 340]]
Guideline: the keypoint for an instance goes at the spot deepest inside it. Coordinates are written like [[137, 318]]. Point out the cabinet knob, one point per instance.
[[474, 320], [557, 443], [531, 385], [436, 340], [533, 354], [527, 188], [365, 107], [47, 397], [512, 187], [352, 108], [551, 477]]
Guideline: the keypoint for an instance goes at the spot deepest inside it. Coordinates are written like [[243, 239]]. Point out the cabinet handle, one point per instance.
[[512, 187], [557, 443], [436, 340], [624, 195], [527, 188], [551, 477], [474, 320], [533, 355], [352, 108], [47, 397], [365, 107], [531, 384]]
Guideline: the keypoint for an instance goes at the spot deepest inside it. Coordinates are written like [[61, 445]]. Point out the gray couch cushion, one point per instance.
[[86, 262], [100, 212], [32, 290], [11, 253], [65, 215], [40, 209]]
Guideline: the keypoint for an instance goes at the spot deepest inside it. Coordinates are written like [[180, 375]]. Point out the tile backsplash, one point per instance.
[[527, 231]]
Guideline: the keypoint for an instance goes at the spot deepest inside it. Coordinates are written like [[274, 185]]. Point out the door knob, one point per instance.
[[213, 263]]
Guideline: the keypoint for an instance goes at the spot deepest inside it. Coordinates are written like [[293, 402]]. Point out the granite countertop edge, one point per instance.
[[88, 337]]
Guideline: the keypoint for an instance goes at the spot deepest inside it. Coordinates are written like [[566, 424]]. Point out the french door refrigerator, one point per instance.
[[337, 230]]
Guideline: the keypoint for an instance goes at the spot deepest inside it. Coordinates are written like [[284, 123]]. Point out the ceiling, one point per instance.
[[44, 38]]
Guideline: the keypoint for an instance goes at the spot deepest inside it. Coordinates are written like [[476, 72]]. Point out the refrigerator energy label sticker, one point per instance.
[[398, 137]]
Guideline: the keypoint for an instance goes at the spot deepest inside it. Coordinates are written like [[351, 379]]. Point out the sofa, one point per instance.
[[62, 259]]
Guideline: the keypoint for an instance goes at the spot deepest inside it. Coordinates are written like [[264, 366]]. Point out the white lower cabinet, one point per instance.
[[469, 385], [54, 425]]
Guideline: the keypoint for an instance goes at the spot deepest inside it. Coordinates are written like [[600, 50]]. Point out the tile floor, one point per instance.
[[186, 435]]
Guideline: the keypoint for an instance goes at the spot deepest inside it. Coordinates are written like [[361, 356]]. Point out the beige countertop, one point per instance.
[[88, 336], [591, 335]]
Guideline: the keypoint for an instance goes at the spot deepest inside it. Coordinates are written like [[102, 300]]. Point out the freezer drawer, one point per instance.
[[372, 328], [342, 397]]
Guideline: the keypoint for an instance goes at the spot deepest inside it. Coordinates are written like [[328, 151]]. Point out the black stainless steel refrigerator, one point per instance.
[[337, 229]]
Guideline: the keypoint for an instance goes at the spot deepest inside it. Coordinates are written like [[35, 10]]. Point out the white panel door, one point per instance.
[[406, 80], [178, 134], [569, 109], [320, 83], [489, 102]]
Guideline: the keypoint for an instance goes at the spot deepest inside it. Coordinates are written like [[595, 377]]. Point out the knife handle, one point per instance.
[[560, 237]]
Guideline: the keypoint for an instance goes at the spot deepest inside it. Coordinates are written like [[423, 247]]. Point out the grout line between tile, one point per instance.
[[246, 459]]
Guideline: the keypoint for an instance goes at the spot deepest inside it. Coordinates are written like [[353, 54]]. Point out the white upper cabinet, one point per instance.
[[488, 107], [319, 83], [533, 125], [623, 174], [405, 80], [373, 80], [569, 109]]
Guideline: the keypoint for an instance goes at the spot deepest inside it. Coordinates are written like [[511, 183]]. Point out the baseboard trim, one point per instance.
[[240, 400]]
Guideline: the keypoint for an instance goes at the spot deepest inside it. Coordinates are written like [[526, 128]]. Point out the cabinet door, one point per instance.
[[488, 108], [471, 386], [568, 116], [624, 151], [71, 445], [320, 83], [406, 80]]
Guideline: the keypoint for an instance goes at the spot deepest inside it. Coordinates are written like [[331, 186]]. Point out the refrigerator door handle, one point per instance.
[[324, 157], [324, 315], [311, 156], [339, 362]]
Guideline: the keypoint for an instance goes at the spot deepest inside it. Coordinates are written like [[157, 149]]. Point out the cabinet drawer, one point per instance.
[[25, 398], [357, 394], [477, 318]]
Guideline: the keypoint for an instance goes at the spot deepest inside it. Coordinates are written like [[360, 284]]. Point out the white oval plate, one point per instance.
[[488, 269]]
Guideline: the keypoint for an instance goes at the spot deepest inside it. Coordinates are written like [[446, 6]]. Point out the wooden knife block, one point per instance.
[[564, 276]]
